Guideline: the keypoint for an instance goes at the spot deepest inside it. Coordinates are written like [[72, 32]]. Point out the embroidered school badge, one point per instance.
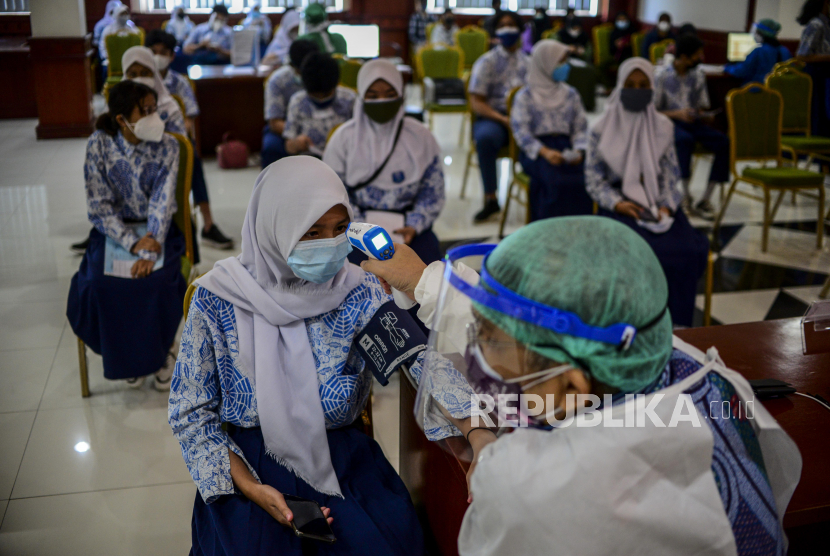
[[398, 177]]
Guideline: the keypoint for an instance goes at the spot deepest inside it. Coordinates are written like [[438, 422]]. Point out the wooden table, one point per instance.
[[770, 349], [230, 100], [17, 95]]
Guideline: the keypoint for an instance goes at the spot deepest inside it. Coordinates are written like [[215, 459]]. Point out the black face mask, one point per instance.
[[636, 100]]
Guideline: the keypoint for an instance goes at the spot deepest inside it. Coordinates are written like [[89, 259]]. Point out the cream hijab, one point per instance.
[[632, 143], [282, 41], [271, 304], [144, 56], [546, 93]]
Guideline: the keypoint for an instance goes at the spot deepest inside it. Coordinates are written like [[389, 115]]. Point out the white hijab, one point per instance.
[[282, 41], [116, 11], [179, 28], [270, 304], [144, 56], [546, 93], [632, 143], [360, 146]]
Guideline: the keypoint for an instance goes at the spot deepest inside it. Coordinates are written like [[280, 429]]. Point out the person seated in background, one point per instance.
[[550, 128], [140, 65], [660, 32], [131, 172], [210, 43], [121, 25], [316, 30], [540, 23], [268, 347], [179, 25], [680, 93], [444, 31], [418, 22], [280, 87], [491, 22], [632, 172], [389, 162], [574, 36], [163, 45], [621, 37], [762, 59], [102, 24], [277, 52], [256, 20], [492, 78], [322, 106]]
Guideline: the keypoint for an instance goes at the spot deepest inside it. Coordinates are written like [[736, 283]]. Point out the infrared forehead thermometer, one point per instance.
[[375, 243]]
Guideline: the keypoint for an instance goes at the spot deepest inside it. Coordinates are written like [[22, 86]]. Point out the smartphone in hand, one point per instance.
[[309, 521]]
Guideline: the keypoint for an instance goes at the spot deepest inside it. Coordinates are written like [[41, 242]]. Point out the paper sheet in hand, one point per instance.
[[119, 262], [388, 221], [242, 50]]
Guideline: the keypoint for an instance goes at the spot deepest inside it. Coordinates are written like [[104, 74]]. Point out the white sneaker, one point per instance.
[[165, 375], [136, 382]]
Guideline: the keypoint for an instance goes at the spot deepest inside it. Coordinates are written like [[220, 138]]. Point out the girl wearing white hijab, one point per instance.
[[632, 173], [550, 128], [121, 25], [104, 21], [179, 25], [380, 137], [267, 347], [277, 51], [257, 20]]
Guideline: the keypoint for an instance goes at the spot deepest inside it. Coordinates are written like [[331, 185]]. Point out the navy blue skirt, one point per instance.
[[130, 323], [556, 190], [682, 253], [375, 518]]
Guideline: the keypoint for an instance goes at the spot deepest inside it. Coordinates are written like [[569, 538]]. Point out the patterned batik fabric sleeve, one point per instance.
[[162, 204], [430, 198], [579, 123], [185, 91], [293, 118], [660, 100], [101, 199], [596, 177], [702, 92], [668, 180], [274, 99], [195, 399], [173, 121], [809, 37], [479, 76], [521, 121]]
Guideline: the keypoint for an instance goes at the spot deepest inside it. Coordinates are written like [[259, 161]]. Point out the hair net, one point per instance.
[[600, 270], [768, 28], [315, 14]]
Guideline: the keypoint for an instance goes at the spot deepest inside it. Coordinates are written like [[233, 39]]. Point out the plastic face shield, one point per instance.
[[456, 382]]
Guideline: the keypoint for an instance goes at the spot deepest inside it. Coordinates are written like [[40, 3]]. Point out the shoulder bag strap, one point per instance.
[[361, 185]]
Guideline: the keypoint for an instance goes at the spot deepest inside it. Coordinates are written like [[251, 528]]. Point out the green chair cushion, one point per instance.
[[784, 177], [523, 179], [807, 144]]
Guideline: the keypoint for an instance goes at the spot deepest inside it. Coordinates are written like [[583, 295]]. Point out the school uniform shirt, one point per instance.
[[674, 92], [177, 84], [815, 39], [222, 37], [136, 182], [599, 178], [306, 118], [281, 86], [529, 121], [172, 117], [209, 389], [443, 35], [496, 73]]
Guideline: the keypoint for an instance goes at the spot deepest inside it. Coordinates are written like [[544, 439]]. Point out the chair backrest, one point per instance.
[[602, 43], [430, 27], [754, 114], [473, 41], [116, 46], [514, 148], [796, 63], [584, 80], [349, 69], [331, 132], [637, 43], [550, 34], [180, 102], [164, 24], [183, 183], [441, 63], [657, 50], [796, 89]]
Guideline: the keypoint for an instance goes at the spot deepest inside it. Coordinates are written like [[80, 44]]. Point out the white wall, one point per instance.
[[58, 18], [718, 15], [784, 12]]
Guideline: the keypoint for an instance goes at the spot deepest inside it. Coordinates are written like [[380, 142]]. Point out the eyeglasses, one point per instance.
[[147, 110]]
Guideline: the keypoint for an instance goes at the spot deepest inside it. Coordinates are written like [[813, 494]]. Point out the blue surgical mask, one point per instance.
[[508, 36], [561, 73], [319, 260], [324, 102]]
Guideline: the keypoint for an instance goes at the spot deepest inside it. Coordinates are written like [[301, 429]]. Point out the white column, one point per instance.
[[58, 18]]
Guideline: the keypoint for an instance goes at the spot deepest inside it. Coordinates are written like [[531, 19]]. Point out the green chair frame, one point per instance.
[[602, 44], [520, 179], [657, 50], [349, 68], [442, 62], [796, 88], [474, 42]]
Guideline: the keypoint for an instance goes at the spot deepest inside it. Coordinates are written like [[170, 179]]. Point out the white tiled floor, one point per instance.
[[130, 492]]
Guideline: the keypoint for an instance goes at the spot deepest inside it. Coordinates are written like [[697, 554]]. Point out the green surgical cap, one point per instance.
[[315, 14], [600, 270], [768, 27]]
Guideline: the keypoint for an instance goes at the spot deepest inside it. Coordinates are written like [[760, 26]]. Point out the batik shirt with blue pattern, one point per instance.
[[222, 37], [281, 86], [136, 182], [306, 118], [173, 119], [496, 73], [815, 39], [673, 91], [737, 462], [177, 84], [529, 121], [604, 185], [209, 389]]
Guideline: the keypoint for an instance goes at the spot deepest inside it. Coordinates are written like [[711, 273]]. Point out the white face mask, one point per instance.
[[161, 61], [149, 128], [149, 81], [664, 26], [217, 25], [574, 32], [122, 19], [758, 37]]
